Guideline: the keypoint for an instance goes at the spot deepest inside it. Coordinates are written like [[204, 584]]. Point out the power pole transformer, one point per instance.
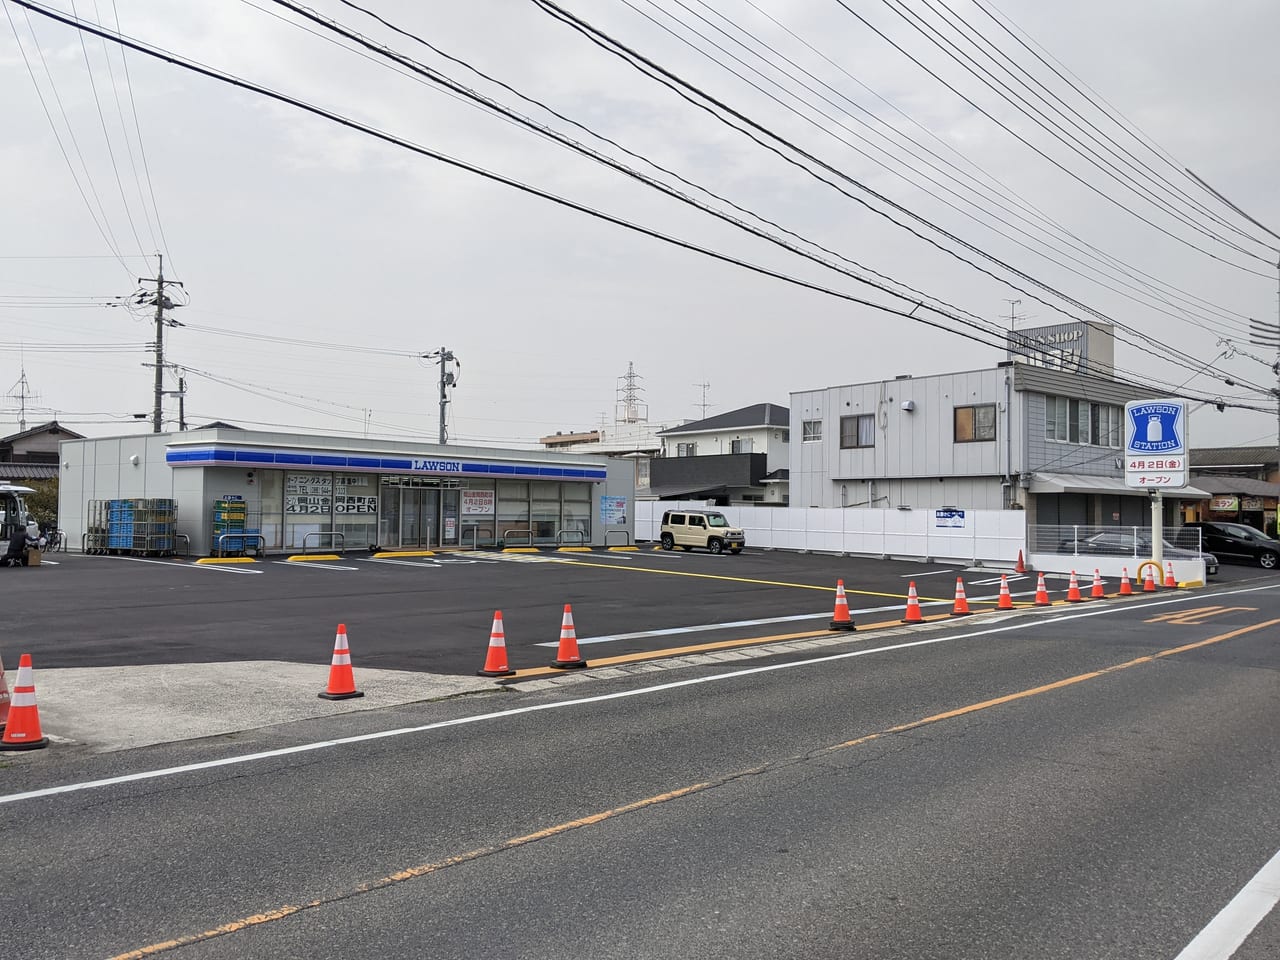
[[162, 303], [447, 379]]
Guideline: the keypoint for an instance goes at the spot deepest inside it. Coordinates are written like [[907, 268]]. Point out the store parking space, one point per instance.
[[434, 613]]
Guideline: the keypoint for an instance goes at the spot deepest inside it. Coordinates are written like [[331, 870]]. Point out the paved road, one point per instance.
[[1080, 783]]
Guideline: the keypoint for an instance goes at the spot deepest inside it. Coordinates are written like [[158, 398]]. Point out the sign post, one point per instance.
[[1155, 456]]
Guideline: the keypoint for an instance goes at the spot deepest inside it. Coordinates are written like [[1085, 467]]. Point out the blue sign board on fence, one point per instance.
[[1155, 443]]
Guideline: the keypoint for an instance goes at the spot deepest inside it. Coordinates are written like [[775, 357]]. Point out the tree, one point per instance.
[[43, 503]]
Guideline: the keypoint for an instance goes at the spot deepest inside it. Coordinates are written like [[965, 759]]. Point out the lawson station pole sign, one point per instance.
[[1155, 444]]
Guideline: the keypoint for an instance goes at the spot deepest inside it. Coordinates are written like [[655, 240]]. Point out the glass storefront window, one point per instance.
[[308, 509]]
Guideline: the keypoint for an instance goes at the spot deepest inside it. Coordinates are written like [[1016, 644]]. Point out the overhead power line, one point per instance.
[[980, 209], [1117, 162], [487, 174], [1031, 146], [767, 139]]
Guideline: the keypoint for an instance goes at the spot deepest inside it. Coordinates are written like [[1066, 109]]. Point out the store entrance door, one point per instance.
[[418, 517]]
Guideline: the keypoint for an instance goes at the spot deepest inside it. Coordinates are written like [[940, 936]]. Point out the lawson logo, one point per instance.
[[437, 466]]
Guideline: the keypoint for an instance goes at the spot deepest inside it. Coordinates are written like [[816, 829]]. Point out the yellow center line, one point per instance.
[[425, 869], [765, 583]]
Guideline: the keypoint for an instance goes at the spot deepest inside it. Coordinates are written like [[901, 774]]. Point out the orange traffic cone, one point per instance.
[[1020, 567], [1042, 593], [567, 658], [1149, 582], [22, 732], [4, 697], [342, 683], [1170, 581], [913, 605], [1126, 588], [840, 618], [1006, 598], [1073, 590], [1097, 593], [961, 608], [495, 663]]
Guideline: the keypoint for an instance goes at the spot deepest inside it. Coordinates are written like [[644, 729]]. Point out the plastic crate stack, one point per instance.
[[141, 526], [229, 517]]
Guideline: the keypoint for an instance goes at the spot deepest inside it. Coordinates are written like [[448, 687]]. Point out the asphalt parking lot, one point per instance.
[[131, 651], [434, 613]]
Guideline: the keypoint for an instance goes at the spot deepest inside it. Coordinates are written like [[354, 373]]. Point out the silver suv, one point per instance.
[[687, 529]]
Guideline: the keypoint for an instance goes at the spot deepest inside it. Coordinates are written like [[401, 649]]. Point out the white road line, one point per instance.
[[1234, 922], [928, 573], [672, 631], [313, 565], [583, 701]]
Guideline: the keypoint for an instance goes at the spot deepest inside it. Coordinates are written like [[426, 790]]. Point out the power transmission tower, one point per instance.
[[447, 379], [705, 387], [160, 299], [629, 408]]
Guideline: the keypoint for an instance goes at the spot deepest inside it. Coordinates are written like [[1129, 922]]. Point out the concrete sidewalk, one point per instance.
[[118, 708]]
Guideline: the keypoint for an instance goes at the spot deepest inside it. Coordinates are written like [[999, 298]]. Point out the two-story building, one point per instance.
[[1016, 436], [736, 457]]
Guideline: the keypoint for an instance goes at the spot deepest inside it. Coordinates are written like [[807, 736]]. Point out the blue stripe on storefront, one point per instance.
[[215, 456]]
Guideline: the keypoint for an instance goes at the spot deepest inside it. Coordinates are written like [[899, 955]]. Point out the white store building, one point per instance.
[[304, 490]]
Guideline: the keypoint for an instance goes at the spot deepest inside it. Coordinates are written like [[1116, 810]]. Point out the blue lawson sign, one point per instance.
[[1155, 443]]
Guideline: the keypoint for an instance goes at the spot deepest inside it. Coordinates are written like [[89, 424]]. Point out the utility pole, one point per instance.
[[447, 379], [162, 303], [182, 403]]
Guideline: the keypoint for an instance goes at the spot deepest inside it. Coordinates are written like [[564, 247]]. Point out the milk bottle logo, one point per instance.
[[1155, 427]]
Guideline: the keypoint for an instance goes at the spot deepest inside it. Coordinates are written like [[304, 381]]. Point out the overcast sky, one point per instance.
[[285, 225]]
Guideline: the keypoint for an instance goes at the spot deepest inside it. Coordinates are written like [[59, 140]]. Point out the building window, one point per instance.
[[740, 446], [686, 449], [1081, 421], [810, 431], [858, 431], [974, 424]]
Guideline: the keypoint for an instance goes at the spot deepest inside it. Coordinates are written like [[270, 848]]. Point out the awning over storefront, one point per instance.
[[1238, 485], [1080, 483]]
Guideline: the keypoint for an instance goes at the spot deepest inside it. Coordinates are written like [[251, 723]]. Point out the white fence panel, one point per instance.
[[986, 535]]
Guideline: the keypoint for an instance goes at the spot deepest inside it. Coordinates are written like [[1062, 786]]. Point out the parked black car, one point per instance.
[[1122, 543], [1237, 542]]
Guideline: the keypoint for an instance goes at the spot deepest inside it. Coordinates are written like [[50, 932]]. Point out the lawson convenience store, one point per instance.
[[306, 491]]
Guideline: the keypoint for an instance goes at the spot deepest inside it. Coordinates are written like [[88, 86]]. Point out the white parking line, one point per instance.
[[928, 573], [313, 565], [424, 564], [188, 566], [1234, 922]]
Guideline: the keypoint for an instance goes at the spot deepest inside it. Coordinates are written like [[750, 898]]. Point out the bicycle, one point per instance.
[[55, 541]]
